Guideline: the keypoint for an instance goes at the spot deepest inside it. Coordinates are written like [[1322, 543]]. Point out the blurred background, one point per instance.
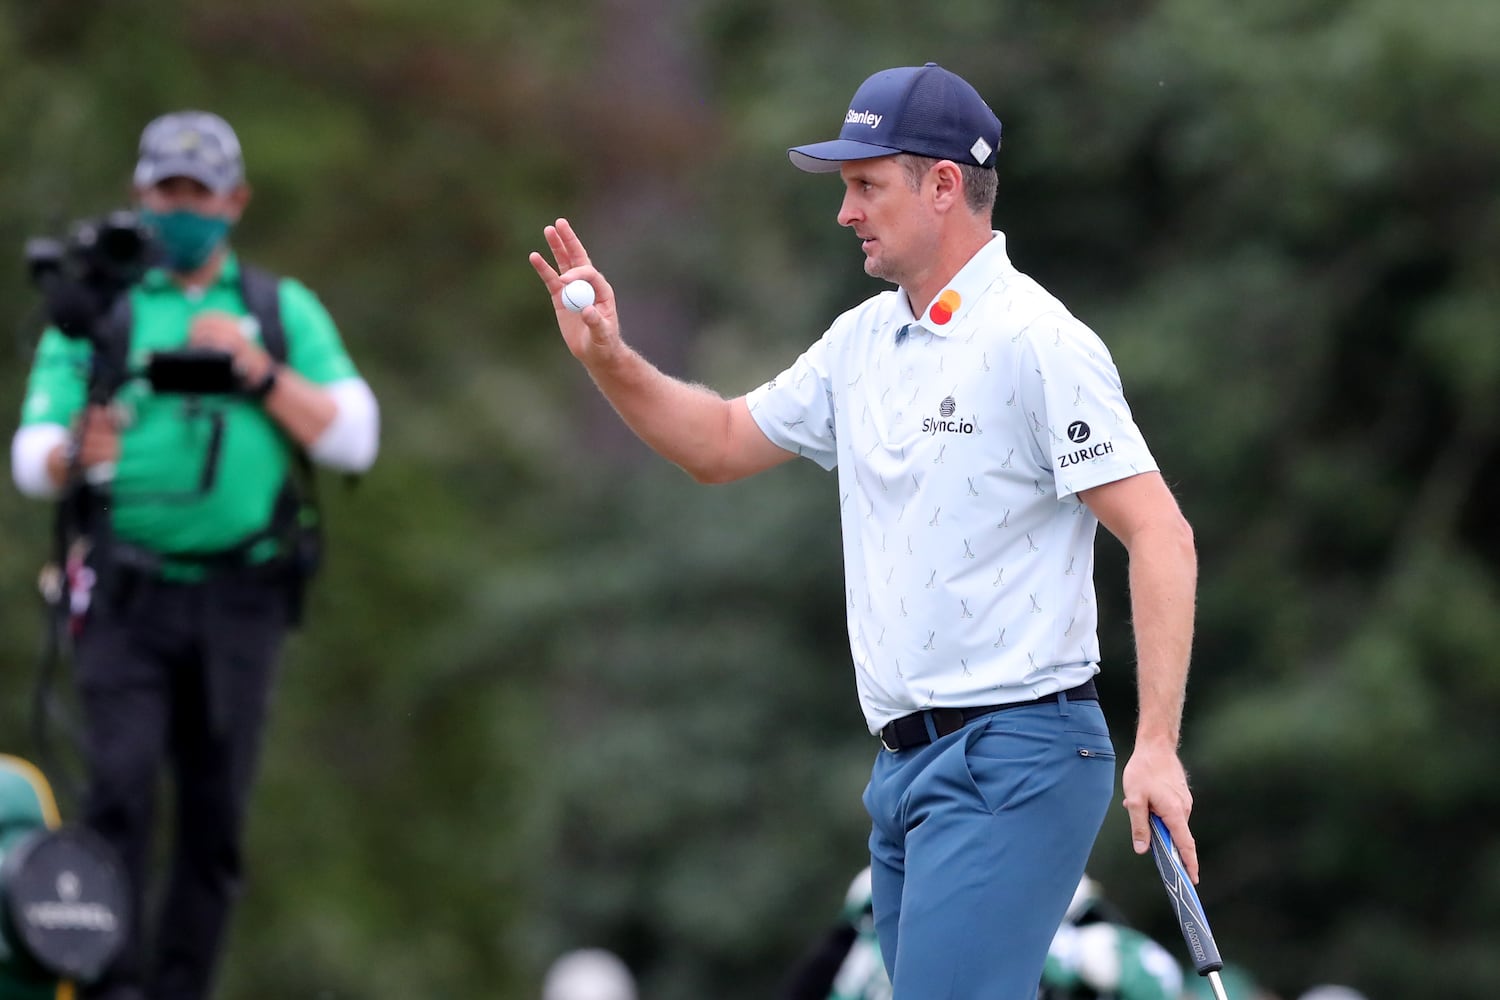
[[553, 694]]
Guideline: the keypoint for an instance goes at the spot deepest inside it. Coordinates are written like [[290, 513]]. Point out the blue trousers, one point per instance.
[[977, 843]]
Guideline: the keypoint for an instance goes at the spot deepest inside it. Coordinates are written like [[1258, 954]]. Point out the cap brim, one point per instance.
[[149, 173], [825, 157]]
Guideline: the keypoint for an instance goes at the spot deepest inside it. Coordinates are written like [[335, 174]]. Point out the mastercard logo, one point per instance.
[[946, 305]]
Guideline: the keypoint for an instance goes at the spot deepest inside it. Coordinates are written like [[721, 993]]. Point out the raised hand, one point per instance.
[[593, 335]]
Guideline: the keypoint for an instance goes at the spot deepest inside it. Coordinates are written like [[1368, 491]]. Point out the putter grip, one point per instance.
[[1184, 899]]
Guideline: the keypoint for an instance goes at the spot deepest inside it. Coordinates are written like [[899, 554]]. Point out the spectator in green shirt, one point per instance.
[[187, 578]]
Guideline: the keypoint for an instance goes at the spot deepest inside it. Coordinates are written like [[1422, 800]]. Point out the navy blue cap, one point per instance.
[[194, 144], [913, 109]]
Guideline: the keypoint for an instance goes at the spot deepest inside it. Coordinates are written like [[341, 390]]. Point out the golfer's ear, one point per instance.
[[948, 184]]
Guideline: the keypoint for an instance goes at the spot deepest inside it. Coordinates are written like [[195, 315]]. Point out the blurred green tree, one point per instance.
[[553, 694]]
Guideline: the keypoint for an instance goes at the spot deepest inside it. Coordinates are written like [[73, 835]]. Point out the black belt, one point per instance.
[[911, 730], [145, 562]]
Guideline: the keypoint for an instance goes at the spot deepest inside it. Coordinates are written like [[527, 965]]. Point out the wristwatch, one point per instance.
[[261, 389]]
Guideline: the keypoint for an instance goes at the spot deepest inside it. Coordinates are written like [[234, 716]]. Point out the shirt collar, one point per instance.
[[158, 278], [947, 311]]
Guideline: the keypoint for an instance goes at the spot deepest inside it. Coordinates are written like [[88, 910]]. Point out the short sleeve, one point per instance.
[[58, 383], [1076, 407], [314, 348], [795, 409]]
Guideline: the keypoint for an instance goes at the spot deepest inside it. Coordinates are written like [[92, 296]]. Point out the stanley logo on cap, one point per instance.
[[924, 110]]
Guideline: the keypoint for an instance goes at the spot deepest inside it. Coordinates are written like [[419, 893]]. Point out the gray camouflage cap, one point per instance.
[[193, 144]]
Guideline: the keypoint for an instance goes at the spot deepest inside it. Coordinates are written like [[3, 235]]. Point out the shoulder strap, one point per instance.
[[261, 291], [298, 515]]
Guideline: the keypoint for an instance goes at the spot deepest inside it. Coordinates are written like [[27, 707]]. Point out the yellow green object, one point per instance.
[[26, 805]]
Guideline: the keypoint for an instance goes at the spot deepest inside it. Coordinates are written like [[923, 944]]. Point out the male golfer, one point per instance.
[[980, 435]]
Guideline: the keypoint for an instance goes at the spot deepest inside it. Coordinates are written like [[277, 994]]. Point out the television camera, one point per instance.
[[84, 279]]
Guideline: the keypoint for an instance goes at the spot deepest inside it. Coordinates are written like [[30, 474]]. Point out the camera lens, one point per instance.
[[120, 244]]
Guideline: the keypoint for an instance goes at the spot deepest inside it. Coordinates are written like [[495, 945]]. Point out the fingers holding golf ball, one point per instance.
[[592, 334], [577, 295], [585, 312], [570, 276]]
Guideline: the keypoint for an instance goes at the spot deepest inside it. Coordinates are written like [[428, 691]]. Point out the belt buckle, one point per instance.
[[882, 739]]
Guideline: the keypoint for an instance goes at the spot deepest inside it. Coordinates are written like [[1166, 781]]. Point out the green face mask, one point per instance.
[[187, 239]]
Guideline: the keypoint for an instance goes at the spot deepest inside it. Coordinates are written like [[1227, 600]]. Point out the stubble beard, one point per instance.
[[885, 269]]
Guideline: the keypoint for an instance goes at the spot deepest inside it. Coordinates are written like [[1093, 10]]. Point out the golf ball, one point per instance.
[[577, 294]]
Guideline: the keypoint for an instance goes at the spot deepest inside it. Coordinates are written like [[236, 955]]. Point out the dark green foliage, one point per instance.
[[553, 694]]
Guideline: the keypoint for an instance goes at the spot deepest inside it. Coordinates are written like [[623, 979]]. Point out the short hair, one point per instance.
[[980, 183]]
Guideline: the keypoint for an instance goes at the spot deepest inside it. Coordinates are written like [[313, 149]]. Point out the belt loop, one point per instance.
[[1062, 704], [932, 733]]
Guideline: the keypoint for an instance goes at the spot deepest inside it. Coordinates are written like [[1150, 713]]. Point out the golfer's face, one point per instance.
[[889, 215]]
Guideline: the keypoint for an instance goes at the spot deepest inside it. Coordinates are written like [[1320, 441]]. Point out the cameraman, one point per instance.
[[189, 546]]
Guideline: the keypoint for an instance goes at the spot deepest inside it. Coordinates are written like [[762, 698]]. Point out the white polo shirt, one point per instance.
[[962, 439]]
